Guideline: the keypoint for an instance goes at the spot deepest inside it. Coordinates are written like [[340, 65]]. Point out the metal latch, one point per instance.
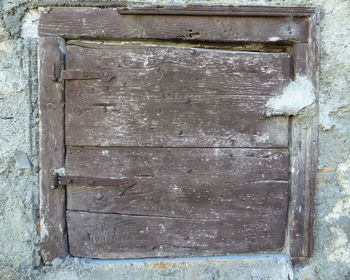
[[64, 180], [105, 75]]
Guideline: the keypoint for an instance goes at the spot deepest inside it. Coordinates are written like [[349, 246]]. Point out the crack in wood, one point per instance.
[[145, 216], [127, 188]]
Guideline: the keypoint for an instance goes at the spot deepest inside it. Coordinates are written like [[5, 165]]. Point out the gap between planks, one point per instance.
[[183, 147], [146, 216]]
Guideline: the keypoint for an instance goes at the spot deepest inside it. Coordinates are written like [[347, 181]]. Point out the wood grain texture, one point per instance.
[[108, 24], [182, 182], [175, 96], [219, 11], [143, 68], [296, 28], [124, 236], [51, 106], [303, 152]]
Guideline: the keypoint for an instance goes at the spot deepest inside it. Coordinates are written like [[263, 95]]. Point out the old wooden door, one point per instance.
[[202, 170], [155, 139]]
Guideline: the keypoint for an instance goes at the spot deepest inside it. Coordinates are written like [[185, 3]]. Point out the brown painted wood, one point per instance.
[[108, 24], [125, 236], [146, 162], [304, 150], [182, 182], [219, 11], [179, 68], [175, 96], [297, 28], [51, 106]]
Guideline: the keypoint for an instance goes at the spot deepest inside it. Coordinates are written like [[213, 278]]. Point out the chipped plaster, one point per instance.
[[297, 95]]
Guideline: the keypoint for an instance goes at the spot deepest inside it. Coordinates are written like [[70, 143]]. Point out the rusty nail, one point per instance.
[[53, 73]]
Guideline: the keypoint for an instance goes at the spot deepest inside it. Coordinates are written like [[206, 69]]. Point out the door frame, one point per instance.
[[294, 28]]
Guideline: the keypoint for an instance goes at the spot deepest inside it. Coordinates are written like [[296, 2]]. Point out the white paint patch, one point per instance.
[[105, 153], [274, 39], [262, 138], [30, 22], [43, 229], [296, 96], [60, 171]]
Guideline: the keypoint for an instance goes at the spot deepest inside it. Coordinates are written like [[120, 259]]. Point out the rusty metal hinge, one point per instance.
[[103, 74], [64, 180]]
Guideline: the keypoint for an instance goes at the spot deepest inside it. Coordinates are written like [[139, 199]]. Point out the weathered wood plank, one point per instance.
[[216, 122], [51, 112], [204, 198], [303, 150], [175, 96], [219, 11], [108, 24], [182, 182], [143, 69], [269, 164], [123, 236]]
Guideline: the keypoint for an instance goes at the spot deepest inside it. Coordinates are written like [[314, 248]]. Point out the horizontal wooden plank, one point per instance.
[[204, 122], [120, 162], [108, 24], [219, 11], [144, 69], [182, 182], [122, 236], [205, 198], [175, 96]]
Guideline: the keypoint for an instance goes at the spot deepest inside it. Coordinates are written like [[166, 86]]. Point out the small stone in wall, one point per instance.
[[22, 161]]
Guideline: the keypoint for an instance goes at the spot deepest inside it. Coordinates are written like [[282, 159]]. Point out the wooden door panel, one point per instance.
[[187, 127], [99, 235], [90, 22], [175, 96], [182, 182], [234, 121], [157, 70], [271, 164]]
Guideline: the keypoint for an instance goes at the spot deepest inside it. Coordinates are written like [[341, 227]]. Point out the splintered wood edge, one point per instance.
[[300, 235]]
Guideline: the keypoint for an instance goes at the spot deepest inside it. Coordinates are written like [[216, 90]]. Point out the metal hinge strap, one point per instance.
[[64, 180]]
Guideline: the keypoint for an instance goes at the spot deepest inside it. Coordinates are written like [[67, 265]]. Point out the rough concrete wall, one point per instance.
[[19, 256]]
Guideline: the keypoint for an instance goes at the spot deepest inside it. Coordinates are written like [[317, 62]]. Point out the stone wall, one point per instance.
[[19, 193]]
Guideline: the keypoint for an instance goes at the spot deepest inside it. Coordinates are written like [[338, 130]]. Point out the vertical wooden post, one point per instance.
[[303, 152], [52, 148]]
